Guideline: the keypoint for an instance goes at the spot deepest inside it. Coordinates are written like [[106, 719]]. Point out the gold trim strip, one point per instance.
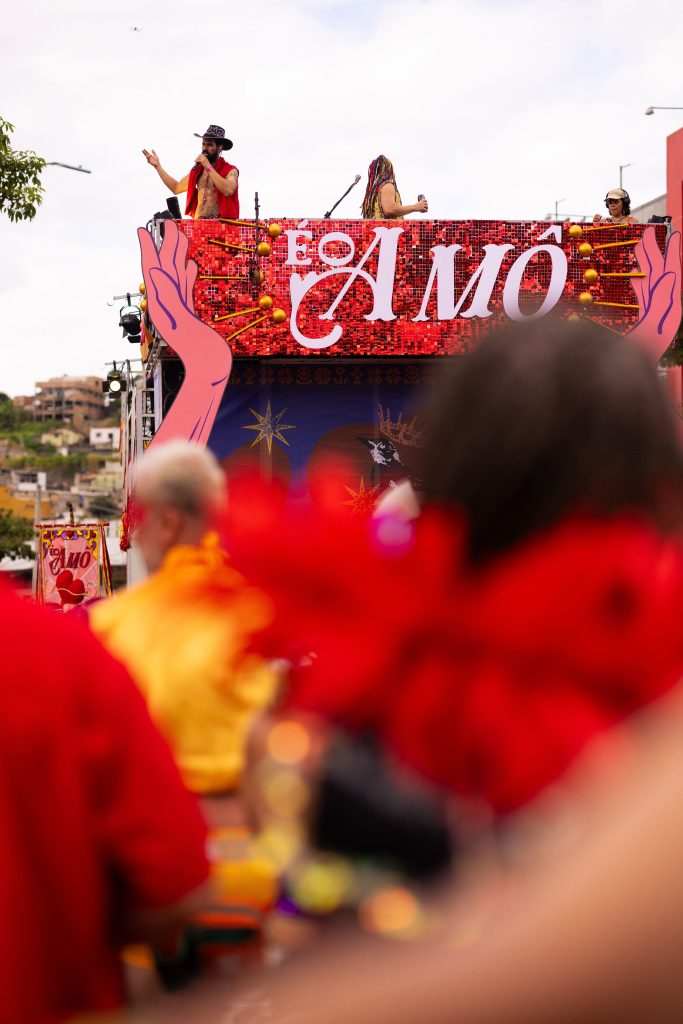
[[613, 245], [240, 312], [604, 227], [231, 245], [243, 223], [620, 305]]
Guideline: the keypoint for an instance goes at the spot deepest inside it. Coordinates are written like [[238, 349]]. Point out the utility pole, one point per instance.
[[38, 518]]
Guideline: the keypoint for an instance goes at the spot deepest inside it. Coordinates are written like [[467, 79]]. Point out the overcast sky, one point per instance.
[[493, 109]]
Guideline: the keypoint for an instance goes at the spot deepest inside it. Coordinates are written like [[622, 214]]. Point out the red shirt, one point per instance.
[[228, 206], [94, 820]]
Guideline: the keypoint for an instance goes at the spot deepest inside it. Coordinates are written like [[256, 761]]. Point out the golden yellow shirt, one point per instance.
[[377, 213], [182, 634]]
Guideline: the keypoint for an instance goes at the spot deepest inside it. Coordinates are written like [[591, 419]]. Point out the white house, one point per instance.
[[105, 437], [30, 480]]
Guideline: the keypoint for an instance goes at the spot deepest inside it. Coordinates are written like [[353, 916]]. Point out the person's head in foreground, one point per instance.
[[546, 420], [179, 492]]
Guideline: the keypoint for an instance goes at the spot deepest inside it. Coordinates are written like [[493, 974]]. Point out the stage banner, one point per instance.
[[352, 288], [286, 421], [73, 565]]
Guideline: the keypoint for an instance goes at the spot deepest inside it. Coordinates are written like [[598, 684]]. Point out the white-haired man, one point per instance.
[[183, 631]]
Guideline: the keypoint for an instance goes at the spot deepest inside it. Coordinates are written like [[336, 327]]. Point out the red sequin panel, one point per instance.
[[402, 288]]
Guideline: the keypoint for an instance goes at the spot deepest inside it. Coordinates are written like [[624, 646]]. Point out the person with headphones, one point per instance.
[[618, 202]]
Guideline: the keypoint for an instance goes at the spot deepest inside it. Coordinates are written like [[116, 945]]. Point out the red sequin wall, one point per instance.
[[316, 265]]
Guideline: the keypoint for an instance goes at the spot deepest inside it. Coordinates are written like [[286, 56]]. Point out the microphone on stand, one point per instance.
[[330, 212]]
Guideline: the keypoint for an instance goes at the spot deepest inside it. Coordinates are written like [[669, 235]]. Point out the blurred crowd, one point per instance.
[[420, 767]]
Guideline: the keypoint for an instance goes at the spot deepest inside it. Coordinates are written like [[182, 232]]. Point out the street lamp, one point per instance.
[[621, 169], [651, 110], [69, 167], [557, 203]]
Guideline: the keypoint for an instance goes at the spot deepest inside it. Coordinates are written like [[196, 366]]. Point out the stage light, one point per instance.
[[115, 382], [130, 319]]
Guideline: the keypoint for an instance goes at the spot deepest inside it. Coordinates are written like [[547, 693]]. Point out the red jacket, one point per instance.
[[94, 818], [228, 206]]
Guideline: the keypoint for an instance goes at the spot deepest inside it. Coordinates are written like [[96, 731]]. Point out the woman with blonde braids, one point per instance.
[[382, 199]]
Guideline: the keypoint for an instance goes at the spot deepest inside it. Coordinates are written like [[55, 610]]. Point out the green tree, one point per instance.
[[21, 192], [15, 532], [8, 414]]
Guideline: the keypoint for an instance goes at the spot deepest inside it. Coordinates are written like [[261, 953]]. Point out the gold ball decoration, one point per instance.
[[585, 249], [265, 302], [260, 275], [585, 298], [590, 276], [279, 316], [575, 231], [143, 305], [141, 288], [274, 230], [263, 249]]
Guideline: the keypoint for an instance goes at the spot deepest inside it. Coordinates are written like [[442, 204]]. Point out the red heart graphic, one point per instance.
[[70, 590]]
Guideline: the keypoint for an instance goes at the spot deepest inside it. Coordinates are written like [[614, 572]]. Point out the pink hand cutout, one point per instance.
[[169, 280], [658, 294]]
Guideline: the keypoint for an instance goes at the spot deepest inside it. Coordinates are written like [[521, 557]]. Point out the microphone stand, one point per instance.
[[352, 185]]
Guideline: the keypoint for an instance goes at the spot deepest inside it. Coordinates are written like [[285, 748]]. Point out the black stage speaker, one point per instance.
[[174, 207]]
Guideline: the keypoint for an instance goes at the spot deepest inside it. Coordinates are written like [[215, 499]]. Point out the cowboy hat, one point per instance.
[[216, 134]]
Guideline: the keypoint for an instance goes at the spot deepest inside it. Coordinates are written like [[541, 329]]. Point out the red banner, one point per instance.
[[405, 288], [73, 565]]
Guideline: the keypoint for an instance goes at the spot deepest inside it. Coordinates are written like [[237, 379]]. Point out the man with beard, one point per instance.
[[211, 185]]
